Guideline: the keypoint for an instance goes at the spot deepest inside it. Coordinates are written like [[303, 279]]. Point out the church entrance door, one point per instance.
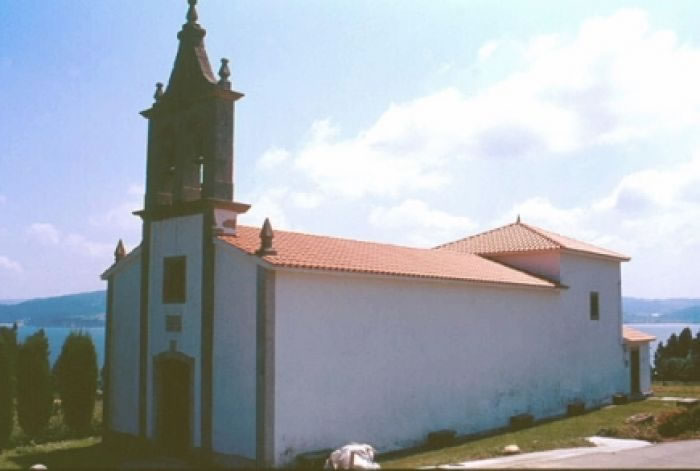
[[174, 404], [634, 371]]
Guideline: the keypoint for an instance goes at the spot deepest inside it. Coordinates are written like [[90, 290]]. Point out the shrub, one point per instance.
[[34, 396], [677, 422], [6, 396], [76, 378]]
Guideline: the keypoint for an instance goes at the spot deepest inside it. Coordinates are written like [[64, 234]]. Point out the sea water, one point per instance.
[[57, 335]]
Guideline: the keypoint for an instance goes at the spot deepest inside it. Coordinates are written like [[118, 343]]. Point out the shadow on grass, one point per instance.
[[91, 456], [88, 453]]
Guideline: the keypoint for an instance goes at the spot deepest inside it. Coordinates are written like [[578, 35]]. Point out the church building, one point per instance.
[[247, 345]]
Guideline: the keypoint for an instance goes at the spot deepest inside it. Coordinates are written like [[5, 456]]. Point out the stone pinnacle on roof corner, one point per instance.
[[119, 251], [266, 236]]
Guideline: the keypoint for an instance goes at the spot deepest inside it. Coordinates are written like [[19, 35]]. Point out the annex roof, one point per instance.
[[306, 251], [521, 237], [633, 335]]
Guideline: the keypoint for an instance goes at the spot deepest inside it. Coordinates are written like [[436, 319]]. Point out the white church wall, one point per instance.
[[544, 263], [645, 368], [234, 362], [176, 237], [124, 358], [599, 351], [386, 361]]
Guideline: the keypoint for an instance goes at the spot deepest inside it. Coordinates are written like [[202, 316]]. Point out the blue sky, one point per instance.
[[411, 122]]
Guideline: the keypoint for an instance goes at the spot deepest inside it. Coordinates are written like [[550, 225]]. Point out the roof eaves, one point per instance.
[[589, 253]]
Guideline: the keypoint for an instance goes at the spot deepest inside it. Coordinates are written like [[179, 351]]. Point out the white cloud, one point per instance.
[[615, 81], [272, 158], [82, 245], [418, 224], [48, 234], [121, 217], [10, 265], [45, 233], [269, 205], [306, 200], [487, 50]]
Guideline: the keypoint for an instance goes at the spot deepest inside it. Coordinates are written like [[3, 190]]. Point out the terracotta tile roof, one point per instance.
[[521, 237], [308, 251], [634, 335]]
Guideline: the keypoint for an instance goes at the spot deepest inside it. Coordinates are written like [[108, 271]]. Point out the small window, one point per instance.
[[174, 284], [595, 307]]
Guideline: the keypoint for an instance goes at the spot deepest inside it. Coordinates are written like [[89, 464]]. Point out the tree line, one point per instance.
[[679, 359], [28, 384]]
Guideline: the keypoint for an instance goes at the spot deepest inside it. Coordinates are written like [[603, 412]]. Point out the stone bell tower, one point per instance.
[[190, 134]]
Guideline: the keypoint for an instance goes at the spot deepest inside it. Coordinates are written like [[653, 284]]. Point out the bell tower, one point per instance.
[[190, 133], [188, 203]]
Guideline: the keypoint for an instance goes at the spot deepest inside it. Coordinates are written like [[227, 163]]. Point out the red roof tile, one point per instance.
[[520, 237], [634, 335], [307, 251]]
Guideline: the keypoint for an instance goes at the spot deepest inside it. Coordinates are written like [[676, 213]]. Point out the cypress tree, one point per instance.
[[34, 395], [685, 342], [76, 378], [6, 396]]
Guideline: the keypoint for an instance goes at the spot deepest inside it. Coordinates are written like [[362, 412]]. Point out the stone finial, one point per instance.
[[159, 92], [266, 236], [517, 220], [224, 74], [192, 12], [119, 252]]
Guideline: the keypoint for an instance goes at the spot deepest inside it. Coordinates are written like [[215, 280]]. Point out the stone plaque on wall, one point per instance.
[[173, 323]]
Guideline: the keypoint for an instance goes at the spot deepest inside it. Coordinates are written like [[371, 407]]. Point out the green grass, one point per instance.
[[560, 433], [69, 454]]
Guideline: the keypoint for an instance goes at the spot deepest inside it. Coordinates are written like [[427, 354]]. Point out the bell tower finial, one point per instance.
[[192, 12]]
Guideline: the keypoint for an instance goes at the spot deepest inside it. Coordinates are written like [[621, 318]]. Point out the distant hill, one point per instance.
[[682, 310], [88, 310], [72, 310]]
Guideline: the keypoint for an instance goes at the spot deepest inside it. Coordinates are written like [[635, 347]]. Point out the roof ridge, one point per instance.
[[475, 235], [276, 231], [537, 231]]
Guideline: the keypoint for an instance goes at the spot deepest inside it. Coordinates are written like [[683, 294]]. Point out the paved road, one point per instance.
[[683, 454], [609, 453]]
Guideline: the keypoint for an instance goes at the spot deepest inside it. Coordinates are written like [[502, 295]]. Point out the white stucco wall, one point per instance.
[[176, 237], [544, 263], [124, 358], [234, 362], [386, 361], [645, 368], [597, 346]]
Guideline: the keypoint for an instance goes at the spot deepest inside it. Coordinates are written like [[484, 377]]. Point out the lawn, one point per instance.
[[562, 433], [68, 454]]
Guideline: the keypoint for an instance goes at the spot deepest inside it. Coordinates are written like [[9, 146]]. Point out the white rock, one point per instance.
[[38, 467], [352, 456], [511, 449]]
